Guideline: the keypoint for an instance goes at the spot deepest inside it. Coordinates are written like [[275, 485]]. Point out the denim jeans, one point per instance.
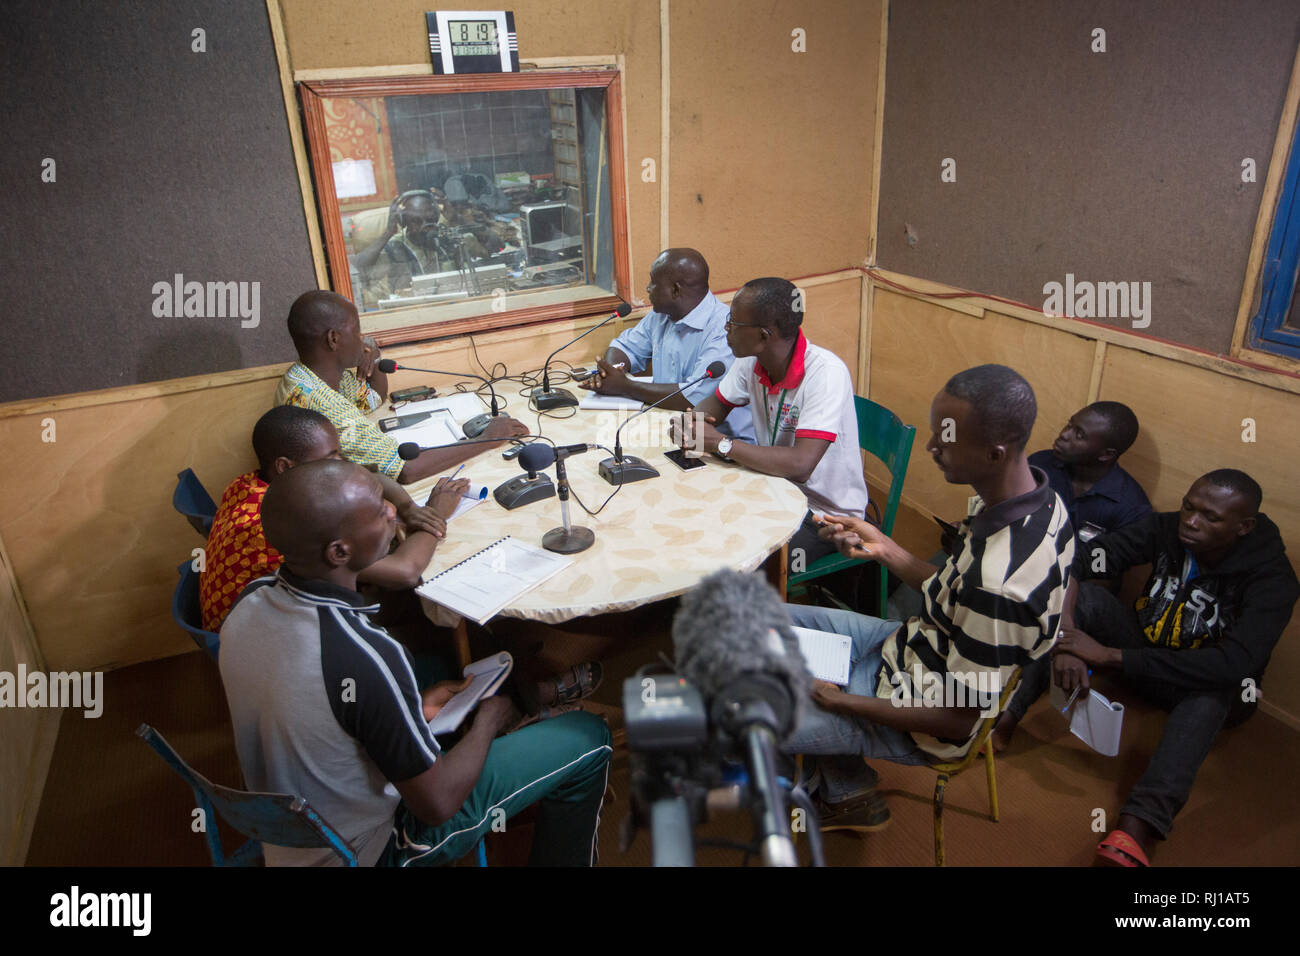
[[1195, 716], [840, 742]]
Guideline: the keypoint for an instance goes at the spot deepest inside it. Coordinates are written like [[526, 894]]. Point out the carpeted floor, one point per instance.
[[109, 800]]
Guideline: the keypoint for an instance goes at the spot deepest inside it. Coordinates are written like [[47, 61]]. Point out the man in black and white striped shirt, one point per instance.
[[917, 690]]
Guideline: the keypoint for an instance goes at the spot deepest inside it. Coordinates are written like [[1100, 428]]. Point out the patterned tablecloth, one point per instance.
[[654, 540]]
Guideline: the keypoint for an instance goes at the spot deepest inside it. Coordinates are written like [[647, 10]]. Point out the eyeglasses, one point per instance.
[[740, 325]]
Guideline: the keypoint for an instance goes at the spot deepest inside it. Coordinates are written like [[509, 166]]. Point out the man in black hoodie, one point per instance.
[[1196, 642]]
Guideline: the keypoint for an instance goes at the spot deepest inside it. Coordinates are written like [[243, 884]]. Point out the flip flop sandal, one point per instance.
[[1122, 850], [578, 682]]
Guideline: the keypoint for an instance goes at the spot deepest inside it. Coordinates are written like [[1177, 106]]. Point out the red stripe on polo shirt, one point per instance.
[[793, 375], [718, 394], [810, 433]]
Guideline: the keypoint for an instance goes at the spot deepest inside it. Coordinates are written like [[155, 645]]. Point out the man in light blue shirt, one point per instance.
[[679, 339]]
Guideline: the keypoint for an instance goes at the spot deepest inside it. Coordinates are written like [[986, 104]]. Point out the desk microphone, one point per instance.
[[566, 539], [732, 639], [624, 469], [516, 492], [546, 398], [474, 427]]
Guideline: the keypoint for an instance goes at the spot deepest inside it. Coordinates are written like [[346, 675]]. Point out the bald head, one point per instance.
[[326, 515], [679, 279], [316, 313]]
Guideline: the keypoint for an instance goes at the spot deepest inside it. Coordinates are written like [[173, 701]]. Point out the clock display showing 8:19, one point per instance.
[[474, 37]]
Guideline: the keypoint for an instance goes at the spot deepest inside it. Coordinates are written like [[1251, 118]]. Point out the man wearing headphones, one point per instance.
[[408, 247]]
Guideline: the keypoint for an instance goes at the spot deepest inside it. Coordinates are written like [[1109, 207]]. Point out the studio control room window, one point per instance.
[[463, 203]]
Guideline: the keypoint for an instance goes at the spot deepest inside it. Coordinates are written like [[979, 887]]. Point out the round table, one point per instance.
[[654, 540]]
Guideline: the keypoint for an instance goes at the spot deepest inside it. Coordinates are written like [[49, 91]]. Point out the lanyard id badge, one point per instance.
[[767, 416]]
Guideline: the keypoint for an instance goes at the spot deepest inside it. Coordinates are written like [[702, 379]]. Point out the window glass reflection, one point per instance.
[[453, 198]]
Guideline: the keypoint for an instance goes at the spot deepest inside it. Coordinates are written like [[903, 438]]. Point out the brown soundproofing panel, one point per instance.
[[167, 162], [1122, 166]]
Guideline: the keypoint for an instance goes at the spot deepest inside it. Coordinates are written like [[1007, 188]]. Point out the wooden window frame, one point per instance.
[[312, 93]]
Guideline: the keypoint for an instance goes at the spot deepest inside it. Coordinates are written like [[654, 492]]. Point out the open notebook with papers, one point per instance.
[[488, 580]]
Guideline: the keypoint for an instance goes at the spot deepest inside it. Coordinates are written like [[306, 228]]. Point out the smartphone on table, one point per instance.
[[679, 458]]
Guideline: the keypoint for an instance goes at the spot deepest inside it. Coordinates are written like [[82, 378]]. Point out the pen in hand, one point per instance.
[[1075, 695]]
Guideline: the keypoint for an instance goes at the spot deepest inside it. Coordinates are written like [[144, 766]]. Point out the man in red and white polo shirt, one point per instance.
[[801, 399]]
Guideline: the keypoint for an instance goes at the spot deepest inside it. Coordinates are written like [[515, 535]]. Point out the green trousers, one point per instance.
[[561, 764]]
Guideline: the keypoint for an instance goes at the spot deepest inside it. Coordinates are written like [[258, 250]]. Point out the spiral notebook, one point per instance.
[[488, 580]]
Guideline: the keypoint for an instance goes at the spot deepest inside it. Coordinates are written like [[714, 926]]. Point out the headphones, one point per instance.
[[410, 194]]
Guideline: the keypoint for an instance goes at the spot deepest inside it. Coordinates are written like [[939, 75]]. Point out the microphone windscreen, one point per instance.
[[387, 366], [732, 625], [716, 369], [623, 309], [537, 456], [408, 451]]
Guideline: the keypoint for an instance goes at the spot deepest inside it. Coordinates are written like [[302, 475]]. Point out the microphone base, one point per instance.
[[554, 398], [568, 540], [522, 490], [628, 470]]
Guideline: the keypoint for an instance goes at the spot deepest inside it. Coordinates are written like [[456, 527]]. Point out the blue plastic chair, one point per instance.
[[194, 503], [187, 612], [280, 819]]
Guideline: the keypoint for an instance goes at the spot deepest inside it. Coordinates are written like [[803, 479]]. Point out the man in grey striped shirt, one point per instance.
[[917, 690], [325, 704]]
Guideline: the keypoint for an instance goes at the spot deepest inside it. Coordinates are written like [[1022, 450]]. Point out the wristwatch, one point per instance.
[[724, 446]]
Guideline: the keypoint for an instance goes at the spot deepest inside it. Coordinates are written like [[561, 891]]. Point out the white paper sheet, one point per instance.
[[826, 654]]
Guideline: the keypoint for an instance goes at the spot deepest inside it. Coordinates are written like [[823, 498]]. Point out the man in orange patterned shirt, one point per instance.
[[237, 551]]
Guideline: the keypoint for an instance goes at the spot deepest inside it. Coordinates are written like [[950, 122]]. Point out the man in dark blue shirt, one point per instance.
[[1083, 468]]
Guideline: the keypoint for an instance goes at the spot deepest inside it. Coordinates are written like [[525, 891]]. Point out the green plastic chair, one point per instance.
[[880, 433]]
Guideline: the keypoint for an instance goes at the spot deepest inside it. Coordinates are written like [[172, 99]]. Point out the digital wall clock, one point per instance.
[[473, 41]]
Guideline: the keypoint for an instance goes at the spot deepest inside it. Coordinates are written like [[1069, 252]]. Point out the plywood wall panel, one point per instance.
[[831, 319], [917, 346], [772, 149], [26, 734]]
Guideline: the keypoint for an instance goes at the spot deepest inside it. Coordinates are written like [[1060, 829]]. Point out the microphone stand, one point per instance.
[[515, 493], [776, 844], [474, 427], [672, 842], [566, 539], [625, 469], [547, 398]]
